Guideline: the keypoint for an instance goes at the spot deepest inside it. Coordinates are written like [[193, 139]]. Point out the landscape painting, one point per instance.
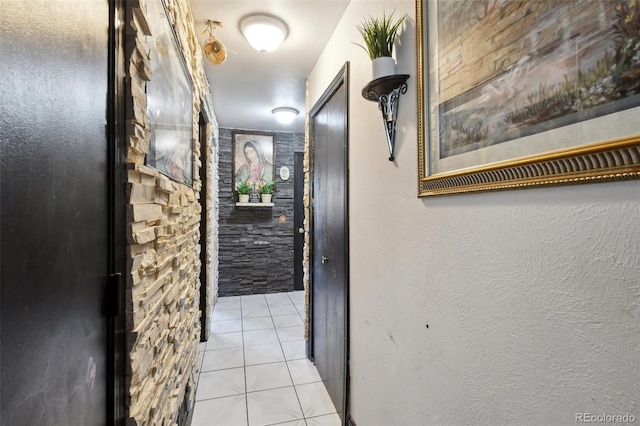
[[507, 69]]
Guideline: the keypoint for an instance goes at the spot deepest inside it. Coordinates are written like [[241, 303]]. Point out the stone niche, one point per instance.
[[256, 243], [163, 239]]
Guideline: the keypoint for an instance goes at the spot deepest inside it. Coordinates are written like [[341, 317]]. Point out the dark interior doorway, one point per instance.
[[298, 220], [330, 237], [204, 226]]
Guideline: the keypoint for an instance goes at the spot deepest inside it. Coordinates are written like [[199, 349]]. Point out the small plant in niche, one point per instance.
[[266, 191], [267, 188], [243, 188]]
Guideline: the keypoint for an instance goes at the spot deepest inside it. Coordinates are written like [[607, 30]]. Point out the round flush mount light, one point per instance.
[[285, 115], [264, 33]]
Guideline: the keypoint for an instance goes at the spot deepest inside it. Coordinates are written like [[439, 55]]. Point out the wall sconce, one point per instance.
[[264, 33], [386, 91], [285, 115]]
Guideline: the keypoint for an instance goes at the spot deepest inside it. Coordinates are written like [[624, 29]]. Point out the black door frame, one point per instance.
[[203, 124], [117, 146], [298, 220], [341, 79]]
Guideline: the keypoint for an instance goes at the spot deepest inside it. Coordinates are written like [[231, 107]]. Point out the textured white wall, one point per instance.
[[531, 297]]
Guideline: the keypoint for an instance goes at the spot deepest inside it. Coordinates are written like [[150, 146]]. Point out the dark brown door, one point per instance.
[[204, 174], [298, 220], [58, 229], [330, 255]]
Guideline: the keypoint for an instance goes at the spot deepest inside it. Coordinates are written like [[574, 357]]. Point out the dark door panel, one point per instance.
[[54, 212], [330, 240], [298, 220]]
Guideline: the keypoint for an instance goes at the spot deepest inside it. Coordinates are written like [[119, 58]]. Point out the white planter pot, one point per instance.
[[382, 67], [243, 198], [266, 198]]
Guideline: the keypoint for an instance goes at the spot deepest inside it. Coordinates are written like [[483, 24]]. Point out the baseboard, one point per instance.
[[350, 421]]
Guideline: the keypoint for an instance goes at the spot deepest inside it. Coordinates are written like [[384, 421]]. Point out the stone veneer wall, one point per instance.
[[256, 244], [163, 287]]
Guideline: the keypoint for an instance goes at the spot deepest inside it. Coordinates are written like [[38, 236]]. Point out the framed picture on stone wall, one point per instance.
[[515, 94], [169, 100], [254, 158]]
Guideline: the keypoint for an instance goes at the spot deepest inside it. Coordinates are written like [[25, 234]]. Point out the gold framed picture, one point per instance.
[[517, 94]]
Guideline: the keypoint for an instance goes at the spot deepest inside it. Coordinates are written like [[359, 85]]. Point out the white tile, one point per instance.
[[267, 376], [283, 310], [302, 310], [224, 340], [303, 371], [260, 337], [226, 314], [288, 334], [295, 349], [273, 406], [258, 323], [227, 326], [263, 354], [294, 423], [275, 299], [228, 411], [254, 304], [314, 399], [254, 301], [216, 384], [287, 320], [223, 358], [326, 420], [227, 303], [252, 297], [258, 311], [297, 297]]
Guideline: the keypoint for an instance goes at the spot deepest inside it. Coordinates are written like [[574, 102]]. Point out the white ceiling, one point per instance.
[[249, 84]]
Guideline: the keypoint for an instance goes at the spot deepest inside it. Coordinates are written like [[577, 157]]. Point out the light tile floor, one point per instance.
[[254, 367]]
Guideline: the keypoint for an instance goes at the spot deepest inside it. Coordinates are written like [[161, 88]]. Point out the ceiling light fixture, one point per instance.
[[264, 33], [285, 115]]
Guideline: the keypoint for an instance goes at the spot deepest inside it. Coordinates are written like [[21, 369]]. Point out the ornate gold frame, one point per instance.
[[610, 160]]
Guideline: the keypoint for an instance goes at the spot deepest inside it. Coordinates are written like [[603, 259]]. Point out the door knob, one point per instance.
[[301, 230], [325, 259]]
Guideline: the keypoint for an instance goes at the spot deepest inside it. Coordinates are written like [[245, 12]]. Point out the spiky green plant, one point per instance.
[[243, 187], [379, 35], [267, 188]]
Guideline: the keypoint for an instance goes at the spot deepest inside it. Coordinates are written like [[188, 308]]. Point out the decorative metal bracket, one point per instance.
[[386, 91]]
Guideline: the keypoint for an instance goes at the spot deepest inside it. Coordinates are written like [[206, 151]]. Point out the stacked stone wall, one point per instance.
[[163, 236]]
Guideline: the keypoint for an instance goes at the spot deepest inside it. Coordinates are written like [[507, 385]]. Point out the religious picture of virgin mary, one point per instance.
[[169, 102], [253, 158]]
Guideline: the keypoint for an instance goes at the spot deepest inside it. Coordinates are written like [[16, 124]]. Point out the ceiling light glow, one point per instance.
[[264, 33], [285, 115]]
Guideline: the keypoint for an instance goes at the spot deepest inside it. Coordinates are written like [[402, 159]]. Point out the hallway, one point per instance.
[[254, 370]]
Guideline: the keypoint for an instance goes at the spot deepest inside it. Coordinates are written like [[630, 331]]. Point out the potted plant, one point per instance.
[[243, 189], [266, 192], [379, 35]]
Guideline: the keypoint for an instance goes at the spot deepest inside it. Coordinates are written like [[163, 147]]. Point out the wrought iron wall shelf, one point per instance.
[[386, 92]]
